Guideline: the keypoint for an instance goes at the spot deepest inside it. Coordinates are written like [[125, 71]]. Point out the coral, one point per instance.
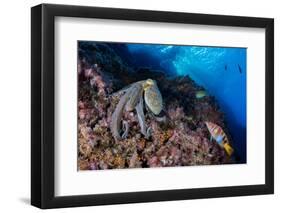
[[181, 140]]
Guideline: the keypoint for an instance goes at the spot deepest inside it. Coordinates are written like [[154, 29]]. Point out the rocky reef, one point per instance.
[[182, 140]]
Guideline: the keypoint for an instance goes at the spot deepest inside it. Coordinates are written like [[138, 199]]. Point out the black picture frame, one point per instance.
[[43, 117]]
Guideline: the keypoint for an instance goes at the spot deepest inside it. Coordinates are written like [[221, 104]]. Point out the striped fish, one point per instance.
[[220, 137]]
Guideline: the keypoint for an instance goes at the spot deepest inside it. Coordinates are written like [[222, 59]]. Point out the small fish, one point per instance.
[[240, 69], [220, 137], [189, 118], [225, 67], [200, 94]]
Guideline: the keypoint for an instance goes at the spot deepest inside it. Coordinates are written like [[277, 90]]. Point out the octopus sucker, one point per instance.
[[132, 97]]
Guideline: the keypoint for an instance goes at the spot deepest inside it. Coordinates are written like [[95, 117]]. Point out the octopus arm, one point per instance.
[[125, 89], [125, 129], [136, 93], [141, 118], [117, 115]]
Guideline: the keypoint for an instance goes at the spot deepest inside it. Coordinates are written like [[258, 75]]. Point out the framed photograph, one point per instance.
[[139, 106]]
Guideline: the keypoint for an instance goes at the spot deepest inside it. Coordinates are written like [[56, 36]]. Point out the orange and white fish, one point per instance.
[[220, 137]]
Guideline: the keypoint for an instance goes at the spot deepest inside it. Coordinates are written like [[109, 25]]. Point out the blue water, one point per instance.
[[221, 71]]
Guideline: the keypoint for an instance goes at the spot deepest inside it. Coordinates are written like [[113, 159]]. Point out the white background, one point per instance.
[[133, 179], [15, 106]]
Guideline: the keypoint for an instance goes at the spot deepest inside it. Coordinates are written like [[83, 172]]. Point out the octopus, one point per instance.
[[133, 98]]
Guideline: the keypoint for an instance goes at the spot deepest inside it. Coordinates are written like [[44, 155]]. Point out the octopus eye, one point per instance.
[[149, 82]]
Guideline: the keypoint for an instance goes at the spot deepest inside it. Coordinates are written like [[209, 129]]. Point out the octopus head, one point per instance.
[[152, 96], [148, 83]]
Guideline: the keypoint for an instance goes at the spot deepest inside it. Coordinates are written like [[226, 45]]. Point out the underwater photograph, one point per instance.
[[158, 105]]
